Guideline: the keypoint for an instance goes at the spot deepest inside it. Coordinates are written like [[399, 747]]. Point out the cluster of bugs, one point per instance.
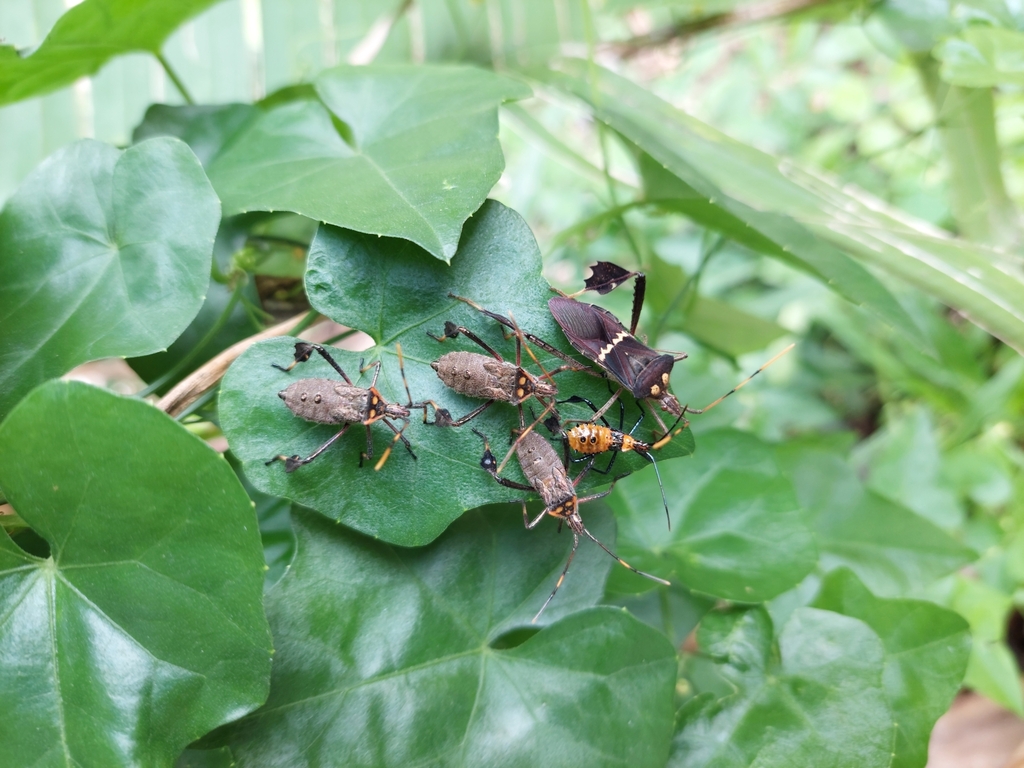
[[594, 332]]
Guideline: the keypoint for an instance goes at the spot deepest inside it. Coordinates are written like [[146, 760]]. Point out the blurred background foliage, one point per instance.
[[916, 431]]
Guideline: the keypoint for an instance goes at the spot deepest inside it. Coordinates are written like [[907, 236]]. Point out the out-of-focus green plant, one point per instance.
[[846, 529]]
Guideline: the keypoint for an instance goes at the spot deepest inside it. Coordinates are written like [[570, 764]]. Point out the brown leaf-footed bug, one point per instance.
[[549, 478], [325, 401], [492, 378]]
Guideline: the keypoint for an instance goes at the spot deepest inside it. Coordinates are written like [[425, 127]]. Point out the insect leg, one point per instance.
[[451, 330], [561, 578], [398, 436], [305, 349], [291, 463]]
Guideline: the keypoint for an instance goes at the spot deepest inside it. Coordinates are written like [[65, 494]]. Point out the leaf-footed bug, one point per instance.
[[590, 438], [492, 378], [549, 478], [325, 401]]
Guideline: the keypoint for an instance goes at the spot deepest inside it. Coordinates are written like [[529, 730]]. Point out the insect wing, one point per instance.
[[599, 335], [605, 277]]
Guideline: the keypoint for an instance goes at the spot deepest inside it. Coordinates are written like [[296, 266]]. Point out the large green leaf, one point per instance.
[[102, 253], [401, 151], [891, 549], [737, 529], [926, 652], [388, 656], [398, 293], [144, 628], [722, 183], [775, 207], [206, 129], [86, 37], [812, 697]]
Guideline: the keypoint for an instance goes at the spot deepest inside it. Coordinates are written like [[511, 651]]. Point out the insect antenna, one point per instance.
[[647, 455], [739, 386], [623, 562]]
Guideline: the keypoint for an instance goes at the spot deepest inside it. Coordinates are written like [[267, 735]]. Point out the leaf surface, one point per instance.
[[926, 653], [87, 37], [144, 628], [392, 150], [106, 254], [738, 531], [364, 282], [390, 656], [813, 696]]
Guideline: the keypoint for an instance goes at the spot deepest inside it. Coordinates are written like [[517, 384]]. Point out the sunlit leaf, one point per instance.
[[401, 151], [926, 652], [144, 628], [86, 37], [812, 696], [113, 258]]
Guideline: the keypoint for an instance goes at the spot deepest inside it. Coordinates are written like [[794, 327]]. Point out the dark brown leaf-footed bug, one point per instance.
[[325, 401], [492, 378], [549, 478]]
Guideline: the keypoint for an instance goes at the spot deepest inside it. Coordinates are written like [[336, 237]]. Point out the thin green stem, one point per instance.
[[194, 352], [598, 219], [311, 317], [713, 246], [174, 77], [666, 612], [966, 119], [199, 402]]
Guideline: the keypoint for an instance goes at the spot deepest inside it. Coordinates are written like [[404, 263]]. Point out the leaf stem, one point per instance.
[[712, 246], [174, 77], [194, 352]]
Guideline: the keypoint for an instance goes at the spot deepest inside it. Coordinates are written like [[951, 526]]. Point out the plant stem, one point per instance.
[[966, 125], [207, 338], [174, 77]]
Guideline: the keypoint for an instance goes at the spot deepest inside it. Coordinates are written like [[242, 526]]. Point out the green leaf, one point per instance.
[[917, 24], [902, 463], [891, 549], [720, 325], [803, 218], [105, 253], [815, 698], [983, 57], [401, 151], [390, 656], [737, 530], [87, 37], [926, 652], [723, 184], [144, 629], [992, 670], [398, 293], [206, 129], [223, 320]]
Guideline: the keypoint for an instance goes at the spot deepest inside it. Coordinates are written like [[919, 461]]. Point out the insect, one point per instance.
[[592, 439], [549, 478], [493, 378], [325, 401]]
